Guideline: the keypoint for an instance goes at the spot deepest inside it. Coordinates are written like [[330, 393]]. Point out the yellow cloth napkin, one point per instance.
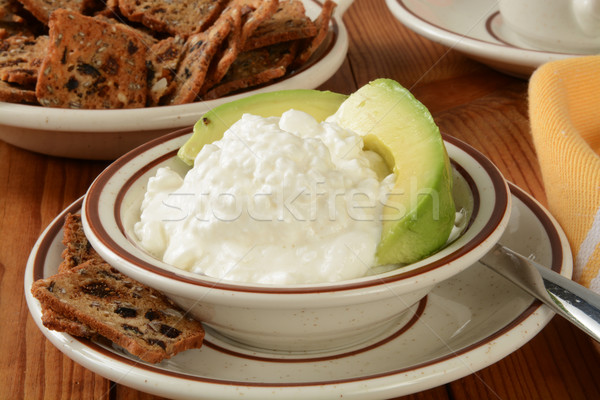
[[564, 110]]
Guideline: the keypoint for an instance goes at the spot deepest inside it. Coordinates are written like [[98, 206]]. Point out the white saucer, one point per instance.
[[465, 324], [475, 28]]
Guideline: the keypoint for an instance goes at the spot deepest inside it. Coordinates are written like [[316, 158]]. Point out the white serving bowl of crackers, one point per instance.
[[297, 318], [97, 83]]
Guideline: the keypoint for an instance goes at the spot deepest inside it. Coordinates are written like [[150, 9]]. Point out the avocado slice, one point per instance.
[[212, 125], [419, 215]]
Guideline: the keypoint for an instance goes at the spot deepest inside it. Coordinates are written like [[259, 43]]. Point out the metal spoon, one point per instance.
[[576, 303]]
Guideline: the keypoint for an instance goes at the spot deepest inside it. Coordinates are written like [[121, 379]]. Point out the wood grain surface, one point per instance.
[[468, 100]]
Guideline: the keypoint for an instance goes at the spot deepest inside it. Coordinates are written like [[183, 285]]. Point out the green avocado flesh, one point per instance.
[[419, 215], [212, 125]]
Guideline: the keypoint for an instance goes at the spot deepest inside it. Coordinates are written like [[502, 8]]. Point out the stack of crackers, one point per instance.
[[138, 53], [88, 298]]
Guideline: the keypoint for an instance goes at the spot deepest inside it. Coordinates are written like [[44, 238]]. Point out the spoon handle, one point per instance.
[[576, 303]]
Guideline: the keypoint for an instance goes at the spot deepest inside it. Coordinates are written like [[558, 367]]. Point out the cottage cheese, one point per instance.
[[277, 200]]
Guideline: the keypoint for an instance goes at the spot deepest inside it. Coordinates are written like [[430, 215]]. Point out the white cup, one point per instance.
[[571, 26]]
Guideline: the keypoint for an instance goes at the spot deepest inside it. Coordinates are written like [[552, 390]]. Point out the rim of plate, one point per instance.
[[317, 71], [97, 228], [500, 50]]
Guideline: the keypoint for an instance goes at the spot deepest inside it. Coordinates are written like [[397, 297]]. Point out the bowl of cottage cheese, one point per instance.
[[269, 238], [300, 194]]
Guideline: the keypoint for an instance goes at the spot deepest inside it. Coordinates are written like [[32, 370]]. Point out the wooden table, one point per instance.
[[468, 100]]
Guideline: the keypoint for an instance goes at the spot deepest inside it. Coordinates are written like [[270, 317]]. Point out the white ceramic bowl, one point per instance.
[[108, 134], [296, 317]]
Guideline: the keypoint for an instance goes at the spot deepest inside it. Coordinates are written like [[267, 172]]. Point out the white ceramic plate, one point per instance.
[[466, 323], [475, 28], [107, 134]]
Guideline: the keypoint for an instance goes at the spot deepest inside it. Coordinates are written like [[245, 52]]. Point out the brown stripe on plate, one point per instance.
[[397, 333]]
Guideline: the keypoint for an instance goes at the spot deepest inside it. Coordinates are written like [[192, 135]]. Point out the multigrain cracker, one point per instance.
[[42, 9], [246, 16], [8, 29], [322, 24], [91, 64], [177, 17], [254, 68], [77, 247], [255, 12], [162, 63], [94, 298], [56, 322], [288, 23], [9, 11], [13, 93], [20, 59], [228, 51], [110, 9], [142, 33], [172, 73], [16, 21], [199, 52]]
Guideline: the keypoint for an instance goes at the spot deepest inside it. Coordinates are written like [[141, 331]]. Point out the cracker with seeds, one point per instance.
[[56, 322], [20, 59], [95, 299], [289, 22], [228, 51], [255, 13], [42, 9], [8, 29], [176, 17], [9, 11], [77, 248], [144, 34], [162, 63], [176, 52], [254, 68], [13, 93], [91, 64], [199, 52], [110, 9], [246, 16], [322, 24], [88, 298]]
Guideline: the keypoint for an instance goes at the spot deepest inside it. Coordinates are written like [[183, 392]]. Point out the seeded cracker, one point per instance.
[[110, 10], [42, 9], [261, 11], [9, 11], [20, 59], [255, 67], [177, 17], [8, 29], [94, 298], [288, 23], [56, 322], [322, 24], [142, 33], [77, 248], [163, 59], [246, 16], [91, 64], [228, 51], [200, 50], [12, 93]]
